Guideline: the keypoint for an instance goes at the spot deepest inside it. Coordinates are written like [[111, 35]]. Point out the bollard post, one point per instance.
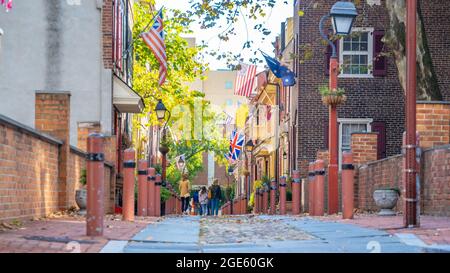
[[95, 185], [265, 200], [157, 196], [142, 188], [273, 196], [129, 166], [151, 192], [319, 191], [296, 197], [244, 204], [283, 195], [311, 188], [347, 185]]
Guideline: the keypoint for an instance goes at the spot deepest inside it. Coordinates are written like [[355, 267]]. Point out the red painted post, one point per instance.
[[244, 204], [151, 192], [410, 198], [142, 188], [283, 186], [273, 196], [129, 166], [333, 192], [347, 185], [157, 197], [311, 189], [95, 185], [296, 203], [320, 182], [265, 200]]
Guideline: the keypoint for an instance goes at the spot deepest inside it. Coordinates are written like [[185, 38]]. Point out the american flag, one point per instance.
[[236, 144], [154, 38], [7, 4], [245, 80]]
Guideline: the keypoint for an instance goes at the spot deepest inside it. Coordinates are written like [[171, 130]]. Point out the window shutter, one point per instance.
[[328, 54], [379, 62], [380, 128]]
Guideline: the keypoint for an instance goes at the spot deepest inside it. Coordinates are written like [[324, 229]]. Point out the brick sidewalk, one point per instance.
[[433, 229], [57, 235]]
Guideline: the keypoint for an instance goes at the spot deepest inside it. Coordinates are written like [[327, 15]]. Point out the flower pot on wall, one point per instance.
[[386, 200], [81, 200]]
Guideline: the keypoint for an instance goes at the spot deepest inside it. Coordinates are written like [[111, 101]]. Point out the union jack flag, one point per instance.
[[154, 39], [236, 144]]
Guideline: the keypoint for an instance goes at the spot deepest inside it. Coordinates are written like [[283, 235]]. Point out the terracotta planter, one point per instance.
[[386, 200], [333, 99]]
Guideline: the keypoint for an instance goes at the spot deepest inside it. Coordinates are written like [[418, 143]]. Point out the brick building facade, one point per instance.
[[375, 98]]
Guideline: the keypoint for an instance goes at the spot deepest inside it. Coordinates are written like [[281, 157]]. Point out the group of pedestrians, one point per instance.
[[206, 201]]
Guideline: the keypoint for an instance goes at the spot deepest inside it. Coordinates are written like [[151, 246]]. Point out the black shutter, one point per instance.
[[380, 128], [379, 61]]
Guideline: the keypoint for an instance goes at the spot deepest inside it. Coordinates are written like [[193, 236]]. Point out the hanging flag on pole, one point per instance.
[[154, 39], [236, 144], [245, 80]]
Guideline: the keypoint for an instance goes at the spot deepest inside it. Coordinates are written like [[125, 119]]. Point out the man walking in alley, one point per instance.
[[216, 193]]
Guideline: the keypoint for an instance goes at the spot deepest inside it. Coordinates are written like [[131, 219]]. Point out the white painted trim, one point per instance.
[[369, 55], [341, 121]]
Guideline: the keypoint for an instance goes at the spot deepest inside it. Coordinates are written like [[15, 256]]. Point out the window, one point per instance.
[[228, 85], [356, 53], [346, 128]]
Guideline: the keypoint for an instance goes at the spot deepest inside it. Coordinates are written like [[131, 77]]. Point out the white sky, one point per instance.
[[272, 21]]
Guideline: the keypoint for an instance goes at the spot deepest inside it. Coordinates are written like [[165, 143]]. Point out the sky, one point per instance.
[[243, 29]]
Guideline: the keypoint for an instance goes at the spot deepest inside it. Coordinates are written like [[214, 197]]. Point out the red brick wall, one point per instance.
[[107, 31], [436, 177], [364, 147], [435, 181], [52, 112], [433, 124], [84, 129], [77, 162], [28, 174]]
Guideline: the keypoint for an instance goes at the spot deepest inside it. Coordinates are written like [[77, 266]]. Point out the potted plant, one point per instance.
[[386, 199], [81, 193], [332, 97]]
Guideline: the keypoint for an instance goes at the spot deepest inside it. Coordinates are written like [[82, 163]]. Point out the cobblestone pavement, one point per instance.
[[241, 229], [64, 234]]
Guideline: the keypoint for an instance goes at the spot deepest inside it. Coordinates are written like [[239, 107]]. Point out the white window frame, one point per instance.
[[370, 31], [341, 121]]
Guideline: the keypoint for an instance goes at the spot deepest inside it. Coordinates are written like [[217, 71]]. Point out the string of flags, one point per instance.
[[7, 4]]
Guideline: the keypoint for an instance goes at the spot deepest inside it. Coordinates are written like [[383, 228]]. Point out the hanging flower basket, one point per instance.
[[334, 99]]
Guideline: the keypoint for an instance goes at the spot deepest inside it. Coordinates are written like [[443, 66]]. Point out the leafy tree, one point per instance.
[[184, 67]]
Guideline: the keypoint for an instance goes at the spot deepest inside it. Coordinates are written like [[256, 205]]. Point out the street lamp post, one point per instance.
[[249, 149], [410, 216], [342, 15], [161, 111]]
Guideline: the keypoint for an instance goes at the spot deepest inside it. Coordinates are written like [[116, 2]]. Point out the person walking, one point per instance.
[[196, 203], [203, 199], [209, 200], [185, 188], [216, 193]]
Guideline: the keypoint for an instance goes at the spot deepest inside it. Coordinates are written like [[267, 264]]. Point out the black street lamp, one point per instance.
[[161, 111]]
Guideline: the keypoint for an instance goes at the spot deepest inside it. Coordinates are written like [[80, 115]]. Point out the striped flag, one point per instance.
[[245, 80], [154, 39], [7, 4]]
